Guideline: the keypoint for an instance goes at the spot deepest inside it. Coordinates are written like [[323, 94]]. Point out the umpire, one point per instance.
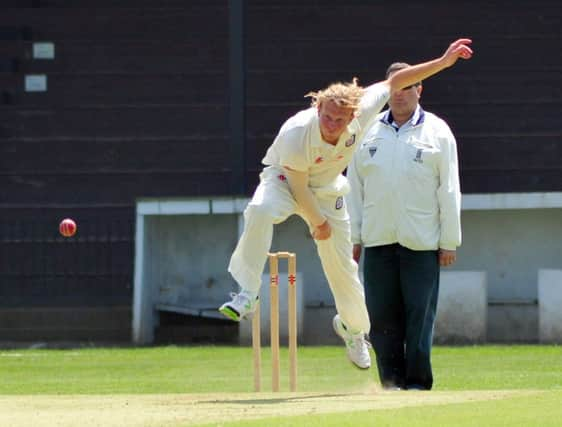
[[405, 210]]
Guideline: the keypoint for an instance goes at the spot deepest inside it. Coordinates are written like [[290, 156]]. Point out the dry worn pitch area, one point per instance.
[[193, 409]]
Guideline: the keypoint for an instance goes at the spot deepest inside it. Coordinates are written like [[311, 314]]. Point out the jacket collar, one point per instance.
[[417, 118]]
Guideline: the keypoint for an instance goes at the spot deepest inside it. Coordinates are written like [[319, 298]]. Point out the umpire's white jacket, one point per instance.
[[405, 185]]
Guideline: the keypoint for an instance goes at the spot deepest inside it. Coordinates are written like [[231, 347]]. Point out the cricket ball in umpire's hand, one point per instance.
[[67, 227]]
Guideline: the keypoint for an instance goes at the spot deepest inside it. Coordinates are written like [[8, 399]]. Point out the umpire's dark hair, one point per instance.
[[395, 66]]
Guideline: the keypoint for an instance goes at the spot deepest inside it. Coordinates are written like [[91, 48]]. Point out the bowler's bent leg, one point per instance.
[[271, 204]]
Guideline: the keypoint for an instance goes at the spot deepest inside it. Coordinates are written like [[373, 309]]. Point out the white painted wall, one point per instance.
[[511, 246], [186, 246], [550, 304], [462, 308]]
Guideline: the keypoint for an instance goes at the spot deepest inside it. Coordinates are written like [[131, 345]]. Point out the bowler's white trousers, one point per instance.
[[273, 203]]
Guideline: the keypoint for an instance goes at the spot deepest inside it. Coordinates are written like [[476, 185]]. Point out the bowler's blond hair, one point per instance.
[[346, 95]]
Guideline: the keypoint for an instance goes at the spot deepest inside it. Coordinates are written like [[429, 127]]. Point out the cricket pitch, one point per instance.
[[193, 409]]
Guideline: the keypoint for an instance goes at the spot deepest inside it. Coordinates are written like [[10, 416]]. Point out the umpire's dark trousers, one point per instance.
[[401, 287]]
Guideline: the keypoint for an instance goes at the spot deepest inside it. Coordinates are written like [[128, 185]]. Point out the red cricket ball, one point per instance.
[[67, 227]]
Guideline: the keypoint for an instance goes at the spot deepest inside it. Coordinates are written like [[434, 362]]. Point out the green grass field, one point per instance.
[[180, 386]]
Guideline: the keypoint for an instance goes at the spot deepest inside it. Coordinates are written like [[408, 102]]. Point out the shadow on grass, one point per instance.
[[268, 401]]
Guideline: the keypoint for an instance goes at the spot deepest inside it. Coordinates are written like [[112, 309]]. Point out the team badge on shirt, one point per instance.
[[418, 157], [350, 141], [372, 151], [339, 202], [319, 160]]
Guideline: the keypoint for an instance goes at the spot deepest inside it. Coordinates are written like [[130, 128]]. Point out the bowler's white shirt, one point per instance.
[[299, 144]]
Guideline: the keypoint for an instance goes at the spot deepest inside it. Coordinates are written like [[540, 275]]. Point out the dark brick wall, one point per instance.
[[135, 106], [503, 105]]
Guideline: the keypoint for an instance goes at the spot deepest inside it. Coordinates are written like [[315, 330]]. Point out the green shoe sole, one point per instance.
[[231, 314]]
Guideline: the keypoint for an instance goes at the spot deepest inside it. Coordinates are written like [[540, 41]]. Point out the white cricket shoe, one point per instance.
[[356, 344], [240, 307]]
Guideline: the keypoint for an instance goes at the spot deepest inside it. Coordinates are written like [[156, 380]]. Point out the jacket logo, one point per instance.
[[319, 160], [372, 151], [339, 202], [418, 156], [350, 141]]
